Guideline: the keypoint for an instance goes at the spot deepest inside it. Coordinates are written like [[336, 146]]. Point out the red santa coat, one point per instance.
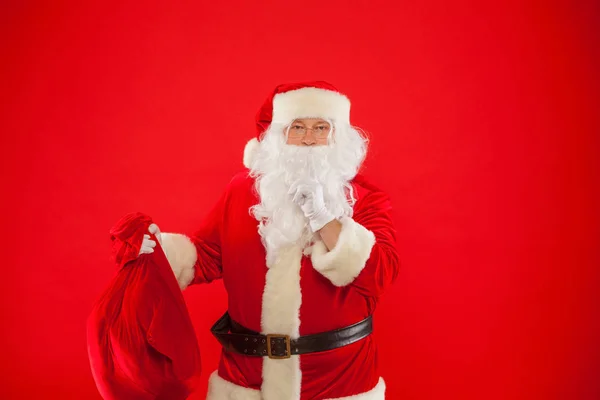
[[304, 291]]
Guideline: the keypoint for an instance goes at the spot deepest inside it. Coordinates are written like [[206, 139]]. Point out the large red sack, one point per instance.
[[141, 342]]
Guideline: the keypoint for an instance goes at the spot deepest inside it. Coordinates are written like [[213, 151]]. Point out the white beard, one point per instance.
[[276, 165]]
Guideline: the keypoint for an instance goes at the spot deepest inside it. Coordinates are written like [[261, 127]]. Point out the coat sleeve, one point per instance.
[[196, 258], [365, 255]]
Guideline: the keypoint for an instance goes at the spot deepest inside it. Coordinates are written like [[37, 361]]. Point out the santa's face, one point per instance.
[[318, 156], [308, 132]]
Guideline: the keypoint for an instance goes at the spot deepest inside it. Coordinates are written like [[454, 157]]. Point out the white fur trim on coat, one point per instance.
[[281, 315], [310, 102], [182, 256], [377, 393], [221, 389], [342, 264], [249, 150]]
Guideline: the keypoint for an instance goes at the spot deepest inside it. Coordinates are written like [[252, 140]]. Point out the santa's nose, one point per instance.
[[309, 138]]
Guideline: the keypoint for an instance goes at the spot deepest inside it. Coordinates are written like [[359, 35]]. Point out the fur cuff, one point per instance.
[[342, 264], [182, 256]]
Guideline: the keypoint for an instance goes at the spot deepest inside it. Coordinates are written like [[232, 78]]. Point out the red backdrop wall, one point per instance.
[[484, 125]]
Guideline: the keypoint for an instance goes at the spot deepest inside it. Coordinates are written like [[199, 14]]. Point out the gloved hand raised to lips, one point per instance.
[[308, 195]]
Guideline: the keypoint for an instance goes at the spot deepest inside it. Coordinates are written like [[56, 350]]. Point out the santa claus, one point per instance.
[[305, 247]]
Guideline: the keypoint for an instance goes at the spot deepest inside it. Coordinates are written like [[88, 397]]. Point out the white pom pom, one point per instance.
[[249, 151]]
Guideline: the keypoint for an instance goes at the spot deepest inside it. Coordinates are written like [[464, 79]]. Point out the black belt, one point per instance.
[[238, 339]]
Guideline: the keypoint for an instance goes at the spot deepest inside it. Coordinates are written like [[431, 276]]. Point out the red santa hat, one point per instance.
[[290, 101]]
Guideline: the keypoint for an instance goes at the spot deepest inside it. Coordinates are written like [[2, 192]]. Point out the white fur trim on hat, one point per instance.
[[310, 102], [249, 152], [182, 256]]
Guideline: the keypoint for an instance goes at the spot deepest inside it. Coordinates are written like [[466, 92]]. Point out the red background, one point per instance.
[[484, 124]]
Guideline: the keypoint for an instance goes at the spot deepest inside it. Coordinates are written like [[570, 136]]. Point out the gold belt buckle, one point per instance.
[[288, 346]]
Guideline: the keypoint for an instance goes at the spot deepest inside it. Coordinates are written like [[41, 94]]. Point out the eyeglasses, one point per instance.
[[320, 131]]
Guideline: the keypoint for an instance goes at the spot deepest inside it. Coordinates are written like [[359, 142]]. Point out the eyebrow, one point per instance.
[[322, 121]]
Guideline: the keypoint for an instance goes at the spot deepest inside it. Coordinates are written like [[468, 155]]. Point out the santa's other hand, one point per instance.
[[153, 229], [147, 245]]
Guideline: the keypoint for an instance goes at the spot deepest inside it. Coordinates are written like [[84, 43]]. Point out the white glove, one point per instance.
[[149, 244], [308, 194]]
